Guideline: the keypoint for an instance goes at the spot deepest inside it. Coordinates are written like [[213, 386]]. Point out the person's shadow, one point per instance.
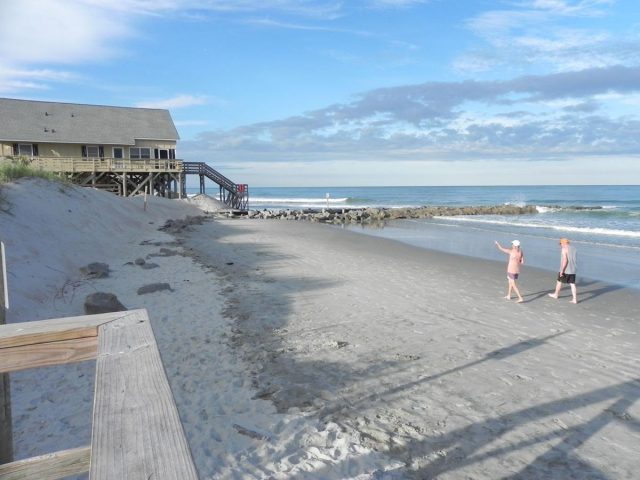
[[585, 293]]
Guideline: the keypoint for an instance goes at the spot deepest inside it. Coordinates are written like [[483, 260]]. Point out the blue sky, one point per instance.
[[361, 92]]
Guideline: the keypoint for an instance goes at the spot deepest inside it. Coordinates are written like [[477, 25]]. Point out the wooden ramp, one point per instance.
[[136, 431]]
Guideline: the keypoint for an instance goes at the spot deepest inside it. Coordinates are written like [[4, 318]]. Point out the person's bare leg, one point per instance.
[[508, 296], [574, 292], [515, 287], [557, 292]]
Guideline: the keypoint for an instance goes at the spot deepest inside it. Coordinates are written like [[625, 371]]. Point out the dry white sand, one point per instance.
[[298, 350]]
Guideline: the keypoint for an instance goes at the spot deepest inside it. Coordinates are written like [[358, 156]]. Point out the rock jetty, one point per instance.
[[374, 216]]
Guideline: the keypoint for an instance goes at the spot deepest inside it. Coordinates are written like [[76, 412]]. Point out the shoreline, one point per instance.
[[297, 350], [597, 262]]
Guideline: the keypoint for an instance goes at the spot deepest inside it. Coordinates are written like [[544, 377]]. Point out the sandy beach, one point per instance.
[[299, 350]]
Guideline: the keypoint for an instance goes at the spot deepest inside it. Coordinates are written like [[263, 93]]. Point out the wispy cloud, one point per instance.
[[65, 32], [178, 101], [59, 32], [190, 123], [271, 23], [448, 119], [15, 80], [533, 32], [396, 3], [305, 8]]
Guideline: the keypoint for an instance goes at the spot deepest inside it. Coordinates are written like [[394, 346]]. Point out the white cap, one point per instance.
[[515, 243]]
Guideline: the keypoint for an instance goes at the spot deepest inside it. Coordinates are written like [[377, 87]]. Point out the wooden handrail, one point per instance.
[[136, 431], [50, 466], [74, 164], [237, 195]]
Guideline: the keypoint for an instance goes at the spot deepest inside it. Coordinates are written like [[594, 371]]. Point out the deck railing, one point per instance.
[[136, 431], [86, 171], [73, 165], [234, 195]]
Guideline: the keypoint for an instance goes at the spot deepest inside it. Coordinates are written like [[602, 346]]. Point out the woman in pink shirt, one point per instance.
[[516, 258]]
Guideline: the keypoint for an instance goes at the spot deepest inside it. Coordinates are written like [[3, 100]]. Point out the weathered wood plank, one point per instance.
[[6, 426], [36, 355], [48, 467], [53, 330], [137, 432]]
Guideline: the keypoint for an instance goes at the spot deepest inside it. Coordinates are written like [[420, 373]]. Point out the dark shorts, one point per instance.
[[567, 278], [512, 276]]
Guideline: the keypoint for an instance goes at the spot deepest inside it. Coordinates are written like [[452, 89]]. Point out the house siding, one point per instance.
[[74, 150], [65, 128]]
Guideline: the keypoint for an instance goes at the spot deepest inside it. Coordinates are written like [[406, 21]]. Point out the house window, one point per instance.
[[25, 149], [118, 152], [139, 152], [92, 151]]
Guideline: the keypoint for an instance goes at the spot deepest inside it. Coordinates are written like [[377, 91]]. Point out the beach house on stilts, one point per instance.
[[124, 150]]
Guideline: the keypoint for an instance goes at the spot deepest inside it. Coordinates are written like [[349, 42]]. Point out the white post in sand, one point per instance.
[[3, 281], [145, 197], [6, 427], [327, 197]]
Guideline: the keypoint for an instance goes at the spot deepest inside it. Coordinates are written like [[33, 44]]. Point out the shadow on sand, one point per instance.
[[279, 376]]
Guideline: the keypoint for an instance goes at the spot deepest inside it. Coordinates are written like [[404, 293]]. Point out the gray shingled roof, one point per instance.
[[51, 122]]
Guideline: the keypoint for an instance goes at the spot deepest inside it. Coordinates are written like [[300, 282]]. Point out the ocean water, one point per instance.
[[603, 222]]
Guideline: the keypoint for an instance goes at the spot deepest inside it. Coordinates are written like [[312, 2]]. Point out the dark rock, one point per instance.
[[101, 302], [250, 433], [154, 287], [96, 270], [176, 226], [139, 261], [377, 216]]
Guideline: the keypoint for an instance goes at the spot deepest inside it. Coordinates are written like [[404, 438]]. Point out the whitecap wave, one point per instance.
[[560, 228], [297, 200], [574, 208]]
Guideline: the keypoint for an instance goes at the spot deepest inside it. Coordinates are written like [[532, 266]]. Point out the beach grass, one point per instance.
[[13, 168]]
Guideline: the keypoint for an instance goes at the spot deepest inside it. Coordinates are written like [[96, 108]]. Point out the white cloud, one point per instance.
[[56, 32], [53, 32], [315, 9], [178, 101], [70, 32], [535, 32], [449, 120], [15, 80]]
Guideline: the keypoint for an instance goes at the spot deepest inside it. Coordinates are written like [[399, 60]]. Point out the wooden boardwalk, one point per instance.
[[136, 432]]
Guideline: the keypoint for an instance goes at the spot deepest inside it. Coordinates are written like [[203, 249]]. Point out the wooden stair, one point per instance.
[[235, 196]]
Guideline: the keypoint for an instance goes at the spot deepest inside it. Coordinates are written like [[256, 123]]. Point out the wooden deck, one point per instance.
[[136, 432], [162, 177]]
